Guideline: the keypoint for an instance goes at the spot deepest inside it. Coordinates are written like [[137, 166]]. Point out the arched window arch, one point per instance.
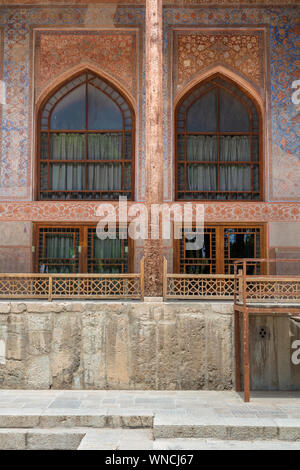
[[86, 142], [217, 144]]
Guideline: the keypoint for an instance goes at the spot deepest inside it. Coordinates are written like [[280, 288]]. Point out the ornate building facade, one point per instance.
[[181, 102]]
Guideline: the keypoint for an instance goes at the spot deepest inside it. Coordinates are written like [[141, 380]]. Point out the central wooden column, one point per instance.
[[154, 143]]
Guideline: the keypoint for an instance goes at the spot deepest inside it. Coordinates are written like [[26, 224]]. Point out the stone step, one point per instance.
[[117, 439], [189, 426], [75, 418], [40, 439], [217, 444]]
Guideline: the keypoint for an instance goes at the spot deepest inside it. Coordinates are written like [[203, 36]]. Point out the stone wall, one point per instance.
[[133, 345], [116, 345]]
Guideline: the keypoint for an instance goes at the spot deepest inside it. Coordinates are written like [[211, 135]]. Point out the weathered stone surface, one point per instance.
[[38, 372], [12, 439], [117, 345]]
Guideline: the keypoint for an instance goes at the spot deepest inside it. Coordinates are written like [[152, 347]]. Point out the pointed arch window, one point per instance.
[[217, 144], [86, 142]]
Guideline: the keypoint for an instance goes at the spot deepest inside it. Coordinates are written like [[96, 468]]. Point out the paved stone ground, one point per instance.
[[233, 423], [214, 404]]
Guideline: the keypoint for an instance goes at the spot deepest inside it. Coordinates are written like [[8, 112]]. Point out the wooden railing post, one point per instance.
[[50, 289], [142, 278], [165, 278], [246, 337], [240, 285]]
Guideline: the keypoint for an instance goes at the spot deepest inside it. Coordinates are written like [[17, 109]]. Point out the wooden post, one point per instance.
[[50, 289], [165, 278], [142, 277], [246, 338], [154, 144], [237, 350]]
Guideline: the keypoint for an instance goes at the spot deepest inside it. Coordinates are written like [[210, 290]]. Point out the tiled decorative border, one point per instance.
[[187, 3], [41, 211], [1, 78]]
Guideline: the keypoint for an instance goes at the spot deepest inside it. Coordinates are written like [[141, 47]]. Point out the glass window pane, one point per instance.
[[44, 174], [128, 146], [103, 113], [106, 146], [255, 148], [255, 178], [180, 177], [242, 245], [180, 147], [69, 113], [67, 177], [127, 176], [201, 177], [235, 178], [67, 146], [104, 176], [202, 115], [201, 148], [234, 116], [44, 146], [235, 148], [58, 250]]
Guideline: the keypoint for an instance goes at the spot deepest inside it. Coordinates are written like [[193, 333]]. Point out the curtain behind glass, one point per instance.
[[235, 148], [105, 176], [100, 177], [105, 146], [204, 177], [59, 247], [235, 177], [105, 250], [67, 176], [202, 149]]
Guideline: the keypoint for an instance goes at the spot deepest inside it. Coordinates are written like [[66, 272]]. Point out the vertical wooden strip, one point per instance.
[[165, 278], [142, 278], [246, 337], [50, 294]]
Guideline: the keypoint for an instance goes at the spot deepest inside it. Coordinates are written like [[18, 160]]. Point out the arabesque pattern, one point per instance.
[[70, 286], [189, 286]]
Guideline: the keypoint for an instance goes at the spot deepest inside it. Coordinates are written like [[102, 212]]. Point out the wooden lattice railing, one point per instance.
[[270, 288], [197, 286], [72, 286]]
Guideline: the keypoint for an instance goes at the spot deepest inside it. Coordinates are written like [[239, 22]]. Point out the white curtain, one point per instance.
[[105, 146], [235, 148], [67, 176], [100, 176], [235, 177], [202, 149], [204, 177]]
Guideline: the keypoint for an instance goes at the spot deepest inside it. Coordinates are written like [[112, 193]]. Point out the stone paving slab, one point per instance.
[[117, 439], [214, 444], [282, 405]]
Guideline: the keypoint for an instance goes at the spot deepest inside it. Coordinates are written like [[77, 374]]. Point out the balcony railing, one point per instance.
[[72, 286], [197, 286]]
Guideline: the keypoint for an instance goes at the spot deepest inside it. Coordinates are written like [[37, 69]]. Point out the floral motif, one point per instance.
[[113, 52], [237, 51]]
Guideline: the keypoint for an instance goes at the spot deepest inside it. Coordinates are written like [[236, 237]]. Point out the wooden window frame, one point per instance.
[[220, 227], [83, 243], [252, 163], [85, 131]]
